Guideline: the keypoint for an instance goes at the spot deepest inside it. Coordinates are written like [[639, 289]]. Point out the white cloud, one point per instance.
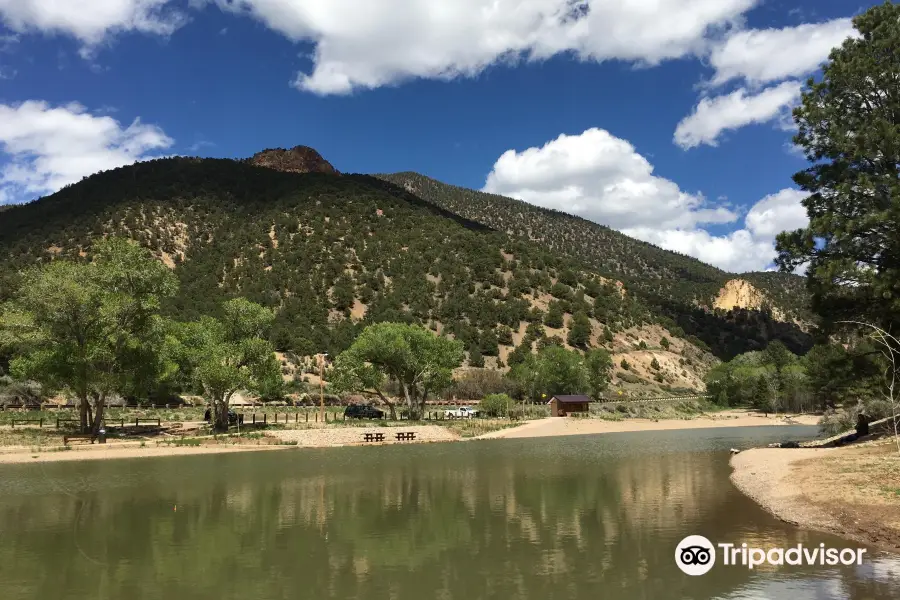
[[777, 212], [602, 178], [91, 21], [44, 148], [712, 116], [768, 55], [382, 42]]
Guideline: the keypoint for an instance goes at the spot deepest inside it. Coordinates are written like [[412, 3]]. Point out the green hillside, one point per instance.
[[656, 273], [335, 253]]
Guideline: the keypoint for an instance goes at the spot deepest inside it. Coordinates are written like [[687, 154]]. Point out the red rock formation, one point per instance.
[[300, 159]]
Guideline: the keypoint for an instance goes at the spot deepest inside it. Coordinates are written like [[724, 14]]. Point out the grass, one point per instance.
[[474, 427]]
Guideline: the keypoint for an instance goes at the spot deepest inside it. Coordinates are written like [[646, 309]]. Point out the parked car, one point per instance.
[[363, 411], [463, 412]]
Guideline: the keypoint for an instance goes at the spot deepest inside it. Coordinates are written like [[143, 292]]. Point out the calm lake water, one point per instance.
[[578, 518]]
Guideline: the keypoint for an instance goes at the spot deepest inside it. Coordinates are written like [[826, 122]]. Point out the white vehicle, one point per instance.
[[463, 412]]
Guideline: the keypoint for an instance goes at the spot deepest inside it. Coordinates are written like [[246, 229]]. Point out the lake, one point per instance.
[[577, 518]]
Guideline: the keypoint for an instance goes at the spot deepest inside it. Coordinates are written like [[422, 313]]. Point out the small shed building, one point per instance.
[[560, 406]]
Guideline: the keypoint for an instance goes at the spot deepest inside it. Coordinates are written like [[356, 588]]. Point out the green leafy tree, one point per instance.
[[420, 362], [224, 356], [92, 328], [599, 366], [848, 129], [553, 370], [580, 331]]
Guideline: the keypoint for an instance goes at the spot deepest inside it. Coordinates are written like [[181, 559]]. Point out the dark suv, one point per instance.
[[363, 411]]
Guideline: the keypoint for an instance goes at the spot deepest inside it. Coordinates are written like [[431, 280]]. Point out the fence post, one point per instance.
[[296, 417], [307, 416], [265, 418], [57, 422], [254, 418], [41, 423]]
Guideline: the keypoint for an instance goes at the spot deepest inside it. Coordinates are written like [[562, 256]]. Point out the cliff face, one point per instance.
[[300, 159], [738, 293]]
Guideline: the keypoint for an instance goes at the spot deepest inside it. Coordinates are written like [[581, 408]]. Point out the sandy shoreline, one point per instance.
[[835, 490], [339, 437], [560, 427]]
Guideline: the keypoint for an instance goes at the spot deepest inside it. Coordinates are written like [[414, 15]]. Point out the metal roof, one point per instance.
[[572, 399]]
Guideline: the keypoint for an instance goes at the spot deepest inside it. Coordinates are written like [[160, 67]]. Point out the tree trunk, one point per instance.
[[83, 413], [97, 419], [221, 416]]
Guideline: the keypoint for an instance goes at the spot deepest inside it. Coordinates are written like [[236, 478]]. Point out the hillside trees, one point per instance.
[[420, 362], [91, 327], [848, 129]]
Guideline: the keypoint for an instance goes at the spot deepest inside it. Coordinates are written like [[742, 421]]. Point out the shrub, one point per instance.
[[625, 365], [664, 342], [496, 405]]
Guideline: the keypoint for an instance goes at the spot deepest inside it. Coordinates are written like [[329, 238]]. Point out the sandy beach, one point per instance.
[[349, 436], [557, 427], [851, 492]]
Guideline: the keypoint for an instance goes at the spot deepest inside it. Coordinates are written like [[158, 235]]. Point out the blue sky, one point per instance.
[[666, 119]]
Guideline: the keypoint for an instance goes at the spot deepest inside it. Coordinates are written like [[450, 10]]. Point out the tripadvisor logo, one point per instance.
[[696, 555]]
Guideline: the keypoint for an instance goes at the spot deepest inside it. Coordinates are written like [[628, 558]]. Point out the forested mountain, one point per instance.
[[333, 253], [654, 272], [677, 286]]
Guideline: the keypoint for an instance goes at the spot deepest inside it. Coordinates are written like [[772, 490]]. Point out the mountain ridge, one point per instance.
[[333, 253]]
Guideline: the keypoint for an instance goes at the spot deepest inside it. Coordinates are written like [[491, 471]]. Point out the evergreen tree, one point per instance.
[[848, 128], [580, 331]]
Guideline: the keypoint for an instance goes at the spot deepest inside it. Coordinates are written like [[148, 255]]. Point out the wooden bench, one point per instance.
[[78, 436], [405, 436], [373, 437]]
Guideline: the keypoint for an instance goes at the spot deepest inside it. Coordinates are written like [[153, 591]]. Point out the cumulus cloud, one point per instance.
[[381, 42], [713, 116], [602, 178], [92, 24], [758, 57], [761, 56], [43, 148]]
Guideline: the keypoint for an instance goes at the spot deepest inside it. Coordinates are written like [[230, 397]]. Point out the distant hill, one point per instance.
[[332, 253], [679, 286]]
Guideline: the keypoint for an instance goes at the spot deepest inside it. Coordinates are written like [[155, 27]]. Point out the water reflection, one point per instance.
[[573, 518]]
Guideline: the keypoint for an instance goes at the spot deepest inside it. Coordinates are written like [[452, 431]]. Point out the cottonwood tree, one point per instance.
[[419, 361], [553, 370], [90, 327], [849, 126], [224, 356], [599, 366]]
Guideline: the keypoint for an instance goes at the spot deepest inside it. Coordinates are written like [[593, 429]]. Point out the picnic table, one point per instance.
[[405, 436], [373, 437]]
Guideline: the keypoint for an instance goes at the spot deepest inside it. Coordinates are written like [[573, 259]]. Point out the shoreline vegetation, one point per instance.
[[189, 438]]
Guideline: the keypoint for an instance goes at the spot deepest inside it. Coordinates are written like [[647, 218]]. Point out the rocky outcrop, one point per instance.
[[300, 159], [739, 293]]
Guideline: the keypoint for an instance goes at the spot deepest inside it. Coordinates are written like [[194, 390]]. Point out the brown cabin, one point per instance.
[[560, 406]]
